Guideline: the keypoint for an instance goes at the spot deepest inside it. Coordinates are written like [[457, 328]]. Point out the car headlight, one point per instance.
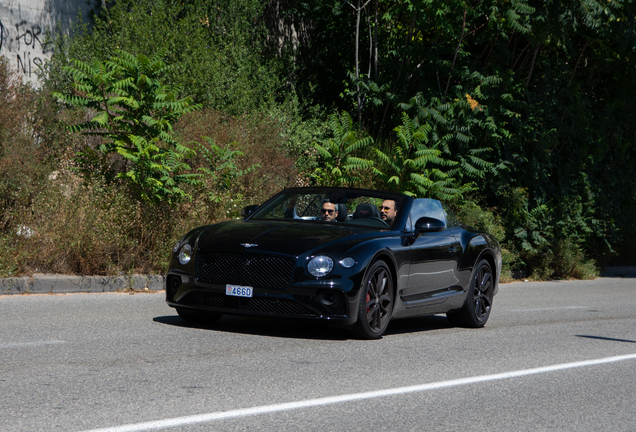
[[185, 254], [320, 266], [347, 262], [176, 247]]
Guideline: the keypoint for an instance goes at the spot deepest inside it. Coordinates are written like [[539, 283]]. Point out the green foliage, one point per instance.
[[219, 50], [338, 153], [222, 170], [414, 168], [529, 104], [471, 213], [300, 129], [133, 112], [543, 91]]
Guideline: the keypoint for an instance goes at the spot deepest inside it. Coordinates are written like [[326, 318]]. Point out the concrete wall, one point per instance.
[[23, 28]]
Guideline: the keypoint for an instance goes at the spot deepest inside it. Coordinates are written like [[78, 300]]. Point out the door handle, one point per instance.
[[452, 250]]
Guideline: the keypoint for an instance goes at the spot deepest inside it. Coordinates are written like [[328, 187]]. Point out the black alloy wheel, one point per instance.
[[376, 302], [478, 304]]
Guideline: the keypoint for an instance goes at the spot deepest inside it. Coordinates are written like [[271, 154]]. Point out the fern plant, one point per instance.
[[453, 124], [133, 113], [415, 169], [341, 165]]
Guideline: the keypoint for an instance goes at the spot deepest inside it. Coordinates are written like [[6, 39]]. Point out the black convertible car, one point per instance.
[[355, 258]]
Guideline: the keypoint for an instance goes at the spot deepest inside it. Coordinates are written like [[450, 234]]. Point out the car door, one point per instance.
[[433, 256]]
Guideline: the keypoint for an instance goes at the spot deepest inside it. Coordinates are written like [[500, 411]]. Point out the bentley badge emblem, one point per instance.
[[249, 245]]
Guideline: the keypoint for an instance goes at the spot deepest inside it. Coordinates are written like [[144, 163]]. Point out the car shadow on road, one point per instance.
[[302, 329], [262, 327], [622, 272], [606, 338], [419, 324]]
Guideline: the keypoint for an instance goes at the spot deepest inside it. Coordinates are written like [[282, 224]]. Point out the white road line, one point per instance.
[[268, 409], [30, 344], [548, 309]]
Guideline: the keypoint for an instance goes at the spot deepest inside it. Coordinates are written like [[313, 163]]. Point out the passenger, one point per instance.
[[388, 211]]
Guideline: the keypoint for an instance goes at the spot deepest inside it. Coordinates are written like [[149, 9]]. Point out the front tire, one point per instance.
[[476, 309], [376, 302]]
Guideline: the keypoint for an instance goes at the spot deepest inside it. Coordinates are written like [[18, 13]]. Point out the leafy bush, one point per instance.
[[92, 228], [472, 214], [341, 165], [265, 165], [134, 114], [220, 49], [414, 168], [222, 170]]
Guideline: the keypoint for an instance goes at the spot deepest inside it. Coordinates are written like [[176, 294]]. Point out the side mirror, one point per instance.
[[246, 211], [428, 224]]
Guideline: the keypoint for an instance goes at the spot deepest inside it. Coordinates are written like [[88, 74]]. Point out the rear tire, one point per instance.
[[478, 304], [376, 302], [196, 317]]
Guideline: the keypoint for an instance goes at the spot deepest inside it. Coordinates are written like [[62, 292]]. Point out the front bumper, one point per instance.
[[331, 301]]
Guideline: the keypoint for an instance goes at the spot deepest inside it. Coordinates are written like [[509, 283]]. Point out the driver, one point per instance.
[[328, 211]]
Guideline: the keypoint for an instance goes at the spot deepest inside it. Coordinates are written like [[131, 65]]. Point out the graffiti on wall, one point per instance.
[[25, 46]]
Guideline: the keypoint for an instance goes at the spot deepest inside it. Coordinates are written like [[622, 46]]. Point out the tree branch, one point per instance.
[[534, 58], [578, 61], [455, 58]]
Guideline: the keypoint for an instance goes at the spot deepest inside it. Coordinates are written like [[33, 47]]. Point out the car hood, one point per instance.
[[289, 238]]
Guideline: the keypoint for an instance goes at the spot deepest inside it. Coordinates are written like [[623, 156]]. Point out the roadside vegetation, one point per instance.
[[159, 116]]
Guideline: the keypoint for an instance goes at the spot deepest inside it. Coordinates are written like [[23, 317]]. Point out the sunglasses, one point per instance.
[[385, 208], [326, 211]]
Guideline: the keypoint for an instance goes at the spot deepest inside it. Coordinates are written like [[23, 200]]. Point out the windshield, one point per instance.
[[333, 205]]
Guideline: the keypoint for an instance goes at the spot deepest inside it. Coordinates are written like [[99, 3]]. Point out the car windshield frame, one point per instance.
[[362, 206]]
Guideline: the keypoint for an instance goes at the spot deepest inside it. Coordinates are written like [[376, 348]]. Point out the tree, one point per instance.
[[219, 50], [133, 113]]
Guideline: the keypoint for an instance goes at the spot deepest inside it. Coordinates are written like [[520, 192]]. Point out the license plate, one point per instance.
[[238, 291]]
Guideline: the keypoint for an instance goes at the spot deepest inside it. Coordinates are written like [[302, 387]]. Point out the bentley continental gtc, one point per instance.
[[352, 257]]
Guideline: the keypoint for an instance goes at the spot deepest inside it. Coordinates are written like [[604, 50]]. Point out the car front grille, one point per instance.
[[258, 305], [247, 269]]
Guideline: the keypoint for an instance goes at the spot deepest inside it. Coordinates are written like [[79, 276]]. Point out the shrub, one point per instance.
[[266, 166], [470, 213], [78, 227], [341, 165], [133, 112], [563, 260]]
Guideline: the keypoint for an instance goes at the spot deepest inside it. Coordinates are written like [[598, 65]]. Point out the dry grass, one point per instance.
[[54, 221], [258, 137]]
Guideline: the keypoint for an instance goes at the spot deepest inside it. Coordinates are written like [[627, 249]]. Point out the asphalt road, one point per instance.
[[554, 356]]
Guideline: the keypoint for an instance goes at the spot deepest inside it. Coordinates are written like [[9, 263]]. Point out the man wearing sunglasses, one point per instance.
[[328, 212], [388, 211]]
